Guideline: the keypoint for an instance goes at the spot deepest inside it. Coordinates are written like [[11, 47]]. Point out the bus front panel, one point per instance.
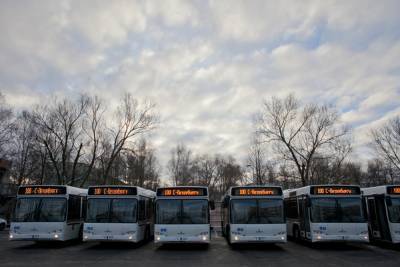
[[337, 219], [182, 220], [257, 220], [113, 219], [41, 218]]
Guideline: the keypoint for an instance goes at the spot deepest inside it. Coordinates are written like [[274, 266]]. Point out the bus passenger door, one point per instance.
[[304, 218], [373, 219], [381, 212]]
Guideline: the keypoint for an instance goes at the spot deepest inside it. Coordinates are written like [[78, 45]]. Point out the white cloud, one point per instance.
[[207, 65]]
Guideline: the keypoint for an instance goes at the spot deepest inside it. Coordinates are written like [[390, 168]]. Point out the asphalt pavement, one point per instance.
[[218, 253]]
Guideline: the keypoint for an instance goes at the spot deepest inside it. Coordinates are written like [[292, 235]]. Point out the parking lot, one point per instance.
[[218, 253]]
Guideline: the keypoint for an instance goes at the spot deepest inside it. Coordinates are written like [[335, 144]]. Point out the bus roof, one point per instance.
[[307, 190], [140, 191], [379, 190], [29, 190]]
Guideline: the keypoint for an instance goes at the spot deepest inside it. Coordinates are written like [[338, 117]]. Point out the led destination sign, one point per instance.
[[393, 190], [335, 190], [182, 192], [42, 190], [114, 191], [256, 191]]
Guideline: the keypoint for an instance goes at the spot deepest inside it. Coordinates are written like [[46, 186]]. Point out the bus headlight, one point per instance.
[[85, 237], [55, 236], [205, 238], [319, 237], [130, 237], [236, 238], [11, 236]]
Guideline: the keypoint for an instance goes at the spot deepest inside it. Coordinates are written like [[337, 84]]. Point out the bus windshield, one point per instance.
[[108, 210], [36, 209], [335, 210], [187, 211], [257, 211], [394, 211]]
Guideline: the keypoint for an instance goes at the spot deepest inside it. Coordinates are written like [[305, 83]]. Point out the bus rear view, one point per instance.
[[254, 214], [326, 213], [182, 215]]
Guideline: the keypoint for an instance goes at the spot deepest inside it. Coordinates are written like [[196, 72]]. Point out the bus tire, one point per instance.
[[296, 232], [228, 235], [80, 236], [147, 234]]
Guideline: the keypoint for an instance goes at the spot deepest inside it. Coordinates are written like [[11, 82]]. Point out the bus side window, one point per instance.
[[149, 212], [291, 208], [74, 208], [84, 207], [372, 211], [142, 209]]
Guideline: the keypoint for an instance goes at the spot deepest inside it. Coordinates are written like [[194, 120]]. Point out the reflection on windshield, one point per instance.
[[332, 210], [394, 211], [253, 211], [176, 211], [40, 209], [108, 210]]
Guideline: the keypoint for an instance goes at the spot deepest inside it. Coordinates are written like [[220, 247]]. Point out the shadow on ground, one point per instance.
[[182, 247], [48, 245], [257, 247]]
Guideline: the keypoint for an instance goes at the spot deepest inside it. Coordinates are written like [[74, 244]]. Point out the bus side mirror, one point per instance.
[[388, 201], [212, 204]]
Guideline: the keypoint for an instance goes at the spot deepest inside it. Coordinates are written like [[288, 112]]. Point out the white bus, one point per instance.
[[119, 213], [383, 211], [252, 214], [324, 213], [182, 215], [48, 212]]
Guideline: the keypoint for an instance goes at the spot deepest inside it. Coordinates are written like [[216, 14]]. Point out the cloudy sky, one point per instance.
[[207, 64]]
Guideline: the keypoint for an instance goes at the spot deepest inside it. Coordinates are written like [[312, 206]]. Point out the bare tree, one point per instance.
[[299, 134], [142, 166], [229, 173], [180, 165], [204, 169], [131, 120], [6, 125], [23, 147], [387, 142], [94, 129], [257, 162], [59, 130]]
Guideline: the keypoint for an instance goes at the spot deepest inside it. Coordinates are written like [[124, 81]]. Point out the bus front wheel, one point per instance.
[[296, 232]]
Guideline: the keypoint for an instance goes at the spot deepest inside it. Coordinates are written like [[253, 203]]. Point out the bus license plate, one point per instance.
[[35, 236], [260, 238], [109, 237]]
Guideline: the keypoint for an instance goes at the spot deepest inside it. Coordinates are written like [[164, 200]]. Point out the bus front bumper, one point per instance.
[[109, 238], [187, 239], [340, 238], [258, 239], [36, 237]]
